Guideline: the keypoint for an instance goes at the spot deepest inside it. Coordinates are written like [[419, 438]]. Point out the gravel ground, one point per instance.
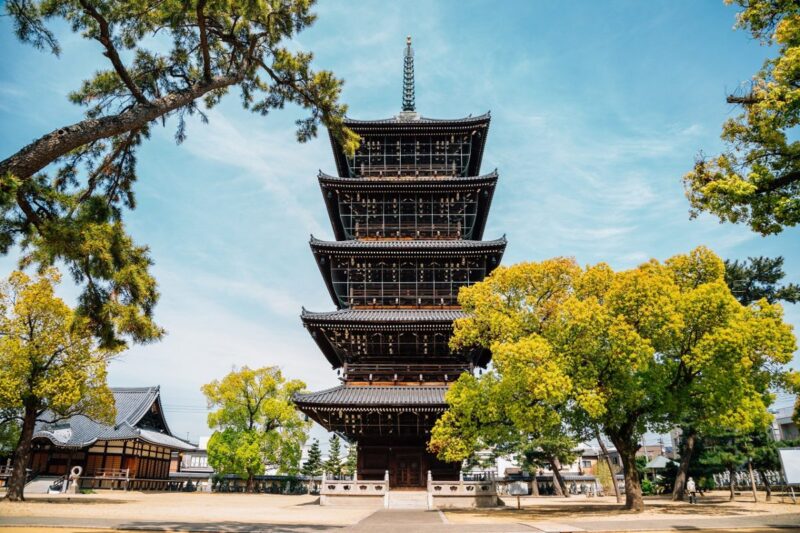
[[177, 506], [579, 509]]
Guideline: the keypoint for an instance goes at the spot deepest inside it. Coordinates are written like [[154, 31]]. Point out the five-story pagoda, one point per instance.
[[408, 211]]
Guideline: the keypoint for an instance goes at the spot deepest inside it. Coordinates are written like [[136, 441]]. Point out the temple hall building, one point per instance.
[[134, 452], [408, 212]]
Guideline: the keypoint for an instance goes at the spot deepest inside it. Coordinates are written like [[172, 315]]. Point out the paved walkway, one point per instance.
[[408, 521]]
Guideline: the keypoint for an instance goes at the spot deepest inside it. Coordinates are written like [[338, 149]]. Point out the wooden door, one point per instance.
[[409, 471]]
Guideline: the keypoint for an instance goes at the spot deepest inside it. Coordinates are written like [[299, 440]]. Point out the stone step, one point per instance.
[[403, 499]]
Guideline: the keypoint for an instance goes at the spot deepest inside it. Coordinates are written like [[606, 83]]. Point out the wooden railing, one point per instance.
[[415, 372]]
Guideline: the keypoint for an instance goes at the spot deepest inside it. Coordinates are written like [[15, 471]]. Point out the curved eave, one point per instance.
[[46, 435], [419, 121], [421, 183], [408, 248], [316, 323], [374, 398], [382, 320], [332, 185]]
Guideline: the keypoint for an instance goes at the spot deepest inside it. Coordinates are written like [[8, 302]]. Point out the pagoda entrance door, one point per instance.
[[409, 471]]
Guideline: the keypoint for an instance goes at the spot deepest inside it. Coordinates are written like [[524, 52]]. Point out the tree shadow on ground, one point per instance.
[[72, 501], [224, 527], [569, 510]]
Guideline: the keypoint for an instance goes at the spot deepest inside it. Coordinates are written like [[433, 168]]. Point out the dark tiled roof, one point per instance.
[[409, 244], [384, 315], [132, 404], [408, 182], [370, 396], [398, 120]]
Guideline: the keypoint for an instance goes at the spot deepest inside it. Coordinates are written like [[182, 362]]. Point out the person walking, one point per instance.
[[692, 490]]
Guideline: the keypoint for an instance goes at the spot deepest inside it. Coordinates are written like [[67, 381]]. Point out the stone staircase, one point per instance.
[[408, 499]]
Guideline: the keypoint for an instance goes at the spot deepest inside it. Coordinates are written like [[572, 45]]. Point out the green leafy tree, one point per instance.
[[726, 452], [350, 466], [313, 464], [9, 431], [551, 451], [759, 277], [257, 425], [749, 281], [333, 465], [50, 366], [62, 197], [764, 457], [604, 476], [623, 352], [756, 180]]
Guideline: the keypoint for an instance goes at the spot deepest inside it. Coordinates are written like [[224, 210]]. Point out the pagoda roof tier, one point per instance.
[[411, 120], [384, 320], [374, 398], [379, 318], [482, 187], [406, 183], [358, 411], [412, 124], [409, 247]]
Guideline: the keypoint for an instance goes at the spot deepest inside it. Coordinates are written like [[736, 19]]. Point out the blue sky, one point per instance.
[[598, 109]]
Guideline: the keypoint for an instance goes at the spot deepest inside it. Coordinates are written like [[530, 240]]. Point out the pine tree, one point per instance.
[[333, 465], [313, 465], [351, 461], [760, 277]]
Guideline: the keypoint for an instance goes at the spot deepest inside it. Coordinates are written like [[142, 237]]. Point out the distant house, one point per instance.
[[783, 427], [192, 466], [137, 447]]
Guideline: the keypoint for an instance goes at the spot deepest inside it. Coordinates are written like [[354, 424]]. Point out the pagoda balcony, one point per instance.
[[403, 273], [395, 373], [414, 208], [399, 146], [385, 337]]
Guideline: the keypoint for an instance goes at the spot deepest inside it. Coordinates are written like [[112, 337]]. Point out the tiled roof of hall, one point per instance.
[[132, 404], [413, 119], [409, 245], [407, 182], [371, 316], [362, 396]]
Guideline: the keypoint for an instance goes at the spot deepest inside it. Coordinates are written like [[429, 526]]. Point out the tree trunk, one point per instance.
[[559, 484], [683, 470], [22, 455], [626, 446], [767, 486], [752, 480], [608, 463], [44, 150], [732, 483], [251, 484]]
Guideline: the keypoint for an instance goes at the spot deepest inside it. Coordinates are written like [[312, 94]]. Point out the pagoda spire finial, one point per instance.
[[408, 78]]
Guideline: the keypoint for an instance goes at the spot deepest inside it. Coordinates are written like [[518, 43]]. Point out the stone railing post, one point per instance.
[[430, 491], [386, 490]]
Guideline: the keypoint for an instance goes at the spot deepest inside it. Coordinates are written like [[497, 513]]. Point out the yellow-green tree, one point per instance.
[[622, 351], [50, 366], [257, 425], [756, 180]]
